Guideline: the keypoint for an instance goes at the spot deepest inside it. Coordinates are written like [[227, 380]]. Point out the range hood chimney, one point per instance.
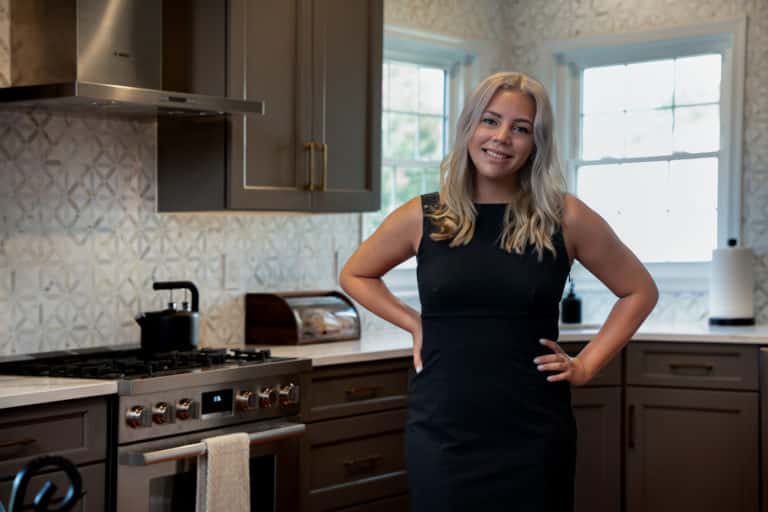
[[132, 57]]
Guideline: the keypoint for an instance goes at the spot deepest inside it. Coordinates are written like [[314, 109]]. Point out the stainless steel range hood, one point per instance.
[[156, 57]]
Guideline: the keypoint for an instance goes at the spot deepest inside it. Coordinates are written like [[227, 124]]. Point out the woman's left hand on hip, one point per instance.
[[571, 369]]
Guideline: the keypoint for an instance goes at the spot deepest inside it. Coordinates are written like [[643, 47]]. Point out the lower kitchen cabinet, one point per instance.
[[386, 505], [353, 460], [597, 409], [598, 450], [691, 450], [664, 427], [692, 427], [74, 429], [354, 448], [93, 488]]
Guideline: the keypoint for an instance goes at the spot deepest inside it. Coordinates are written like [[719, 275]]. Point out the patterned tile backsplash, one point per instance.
[[81, 242]]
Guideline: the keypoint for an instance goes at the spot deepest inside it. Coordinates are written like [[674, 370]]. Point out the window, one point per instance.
[[648, 163], [424, 81], [650, 131], [414, 120]]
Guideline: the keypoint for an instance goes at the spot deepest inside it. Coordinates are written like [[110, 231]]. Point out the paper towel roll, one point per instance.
[[731, 286]]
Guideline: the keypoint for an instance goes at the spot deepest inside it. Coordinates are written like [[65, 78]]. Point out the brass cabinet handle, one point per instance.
[[362, 464], [311, 167], [689, 366], [18, 442], [324, 150], [363, 393]]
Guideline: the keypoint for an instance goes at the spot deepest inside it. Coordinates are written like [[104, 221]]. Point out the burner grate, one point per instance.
[[133, 364]]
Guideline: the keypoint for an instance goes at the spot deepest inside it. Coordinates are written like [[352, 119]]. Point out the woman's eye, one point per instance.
[[522, 129], [489, 121]]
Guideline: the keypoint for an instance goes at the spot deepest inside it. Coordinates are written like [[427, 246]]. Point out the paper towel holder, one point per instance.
[[724, 315]]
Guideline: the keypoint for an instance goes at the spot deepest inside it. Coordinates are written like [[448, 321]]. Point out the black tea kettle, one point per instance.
[[172, 328]]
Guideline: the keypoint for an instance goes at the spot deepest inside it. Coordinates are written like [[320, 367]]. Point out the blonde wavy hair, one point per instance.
[[535, 212]]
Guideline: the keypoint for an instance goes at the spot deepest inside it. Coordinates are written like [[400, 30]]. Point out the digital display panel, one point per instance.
[[217, 401]]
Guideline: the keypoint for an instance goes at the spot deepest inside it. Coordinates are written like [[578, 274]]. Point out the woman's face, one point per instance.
[[503, 140]]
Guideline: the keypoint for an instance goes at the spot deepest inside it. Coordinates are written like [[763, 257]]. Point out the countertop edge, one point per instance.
[[33, 395], [361, 357], [383, 345]]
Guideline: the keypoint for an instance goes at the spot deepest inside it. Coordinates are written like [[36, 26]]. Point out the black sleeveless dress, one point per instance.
[[486, 430]]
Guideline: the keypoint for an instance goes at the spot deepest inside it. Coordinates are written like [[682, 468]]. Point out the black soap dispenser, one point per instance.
[[570, 308]]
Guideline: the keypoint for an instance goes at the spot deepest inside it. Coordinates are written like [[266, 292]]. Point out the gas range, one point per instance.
[[167, 405], [177, 392]]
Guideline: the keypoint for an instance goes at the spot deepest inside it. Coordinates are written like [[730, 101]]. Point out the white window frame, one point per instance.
[[460, 62], [562, 62]]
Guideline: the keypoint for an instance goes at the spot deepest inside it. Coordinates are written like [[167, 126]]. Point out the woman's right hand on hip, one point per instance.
[[417, 348]]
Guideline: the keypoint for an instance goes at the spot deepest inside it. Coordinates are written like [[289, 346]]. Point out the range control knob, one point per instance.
[[184, 409], [289, 395], [136, 416], [245, 400], [267, 397], [161, 413]]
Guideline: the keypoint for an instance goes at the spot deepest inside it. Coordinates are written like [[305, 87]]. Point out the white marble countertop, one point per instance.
[[21, 391], [394, 343]]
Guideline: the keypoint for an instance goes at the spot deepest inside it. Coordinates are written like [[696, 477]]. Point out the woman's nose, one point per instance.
[[501, 134]]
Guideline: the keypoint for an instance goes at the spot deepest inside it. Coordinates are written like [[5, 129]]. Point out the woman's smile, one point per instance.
[[496, 155]]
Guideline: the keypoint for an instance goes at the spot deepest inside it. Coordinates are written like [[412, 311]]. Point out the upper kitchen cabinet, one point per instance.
[[316, 65], [346, 103]]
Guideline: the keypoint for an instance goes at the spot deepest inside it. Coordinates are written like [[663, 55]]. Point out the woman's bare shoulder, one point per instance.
[[404, 223], [576, 217], [574, 211]]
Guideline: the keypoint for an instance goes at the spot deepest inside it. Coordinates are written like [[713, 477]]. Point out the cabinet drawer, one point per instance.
[[355, 460], [74, 429], [610, 375], [711, 366], [351, 389], [94, 481], [396, 504]]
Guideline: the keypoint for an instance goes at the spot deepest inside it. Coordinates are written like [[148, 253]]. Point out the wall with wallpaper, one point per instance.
[[519, 24], [80, 242]]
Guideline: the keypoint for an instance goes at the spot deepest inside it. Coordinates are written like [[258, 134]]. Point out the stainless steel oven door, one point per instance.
[[161, 475]]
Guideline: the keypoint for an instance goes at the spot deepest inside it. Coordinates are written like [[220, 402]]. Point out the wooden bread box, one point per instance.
[[298, 318]]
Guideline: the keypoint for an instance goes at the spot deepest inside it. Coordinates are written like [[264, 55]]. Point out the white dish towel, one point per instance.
[[223, 481]]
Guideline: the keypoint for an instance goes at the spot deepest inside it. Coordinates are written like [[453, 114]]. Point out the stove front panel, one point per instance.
[[182, 410]]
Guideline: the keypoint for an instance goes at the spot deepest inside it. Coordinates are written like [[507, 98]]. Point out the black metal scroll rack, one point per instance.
[[43, 498]]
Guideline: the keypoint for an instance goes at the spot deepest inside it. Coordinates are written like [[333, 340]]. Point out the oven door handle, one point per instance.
[[187, 451]]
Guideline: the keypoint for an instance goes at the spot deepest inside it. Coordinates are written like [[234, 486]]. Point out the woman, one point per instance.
[[490, 423]]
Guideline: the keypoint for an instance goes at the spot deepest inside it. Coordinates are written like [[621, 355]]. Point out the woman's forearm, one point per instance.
[[374, 295], [626, 316]]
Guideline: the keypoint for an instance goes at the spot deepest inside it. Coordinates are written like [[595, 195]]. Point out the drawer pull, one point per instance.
[[363, 393], [362, 464], [19, 442], [631, 427], [703, 368]]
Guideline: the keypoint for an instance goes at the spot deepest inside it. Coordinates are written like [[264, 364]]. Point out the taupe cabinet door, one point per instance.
[[598, 452], [317, 67], [691, 450], [269, 61], [346, 106]]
